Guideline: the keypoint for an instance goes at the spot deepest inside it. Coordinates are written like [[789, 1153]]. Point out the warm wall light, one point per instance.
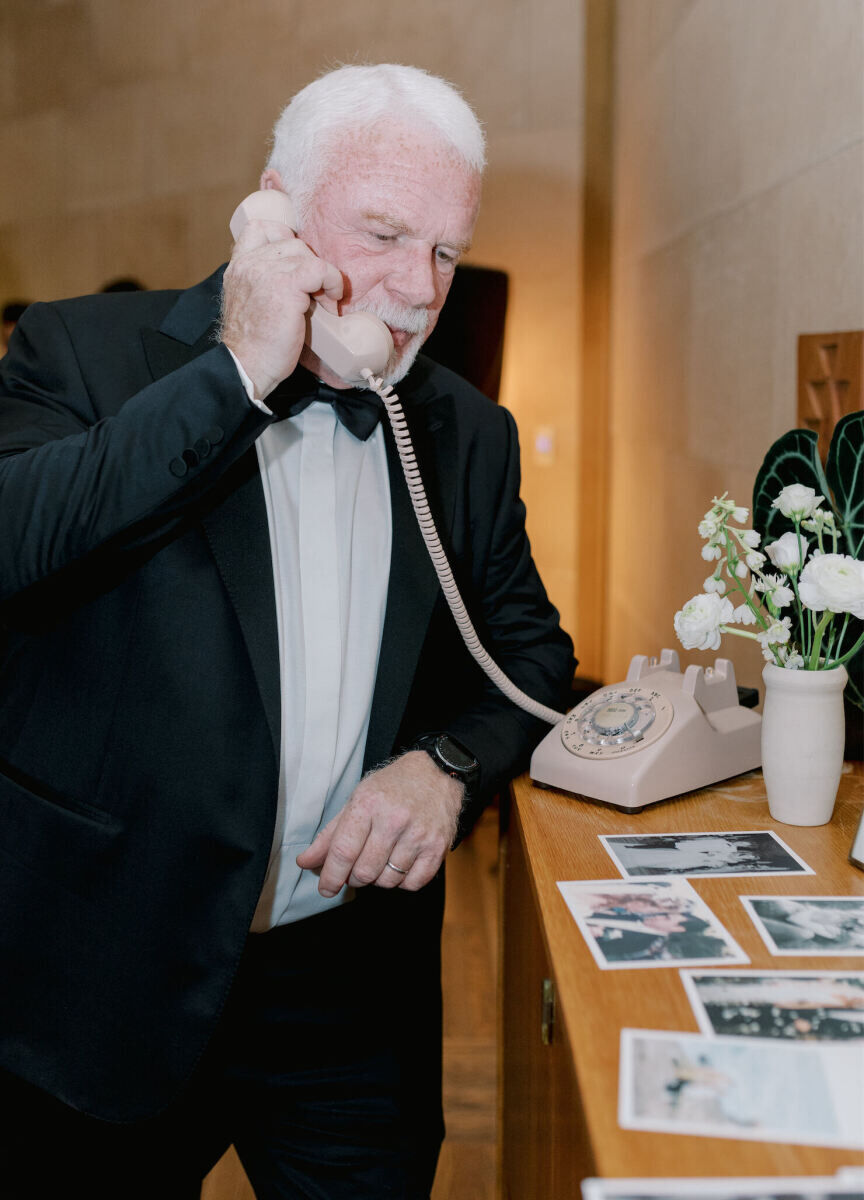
[[544, 445]]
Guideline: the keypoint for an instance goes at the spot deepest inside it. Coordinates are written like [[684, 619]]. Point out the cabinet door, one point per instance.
[[543, 1141]]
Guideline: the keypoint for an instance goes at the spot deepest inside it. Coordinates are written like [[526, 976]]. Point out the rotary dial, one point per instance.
[[616, 721]]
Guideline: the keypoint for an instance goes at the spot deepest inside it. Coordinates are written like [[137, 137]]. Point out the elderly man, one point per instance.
[[240, 731]]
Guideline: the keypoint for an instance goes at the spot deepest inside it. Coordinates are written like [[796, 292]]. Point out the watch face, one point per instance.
[[453, 753]]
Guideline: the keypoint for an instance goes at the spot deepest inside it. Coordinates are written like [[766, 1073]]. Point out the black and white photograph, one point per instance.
[[648, 923], [742, 852], [796, 925], [742, 1088], [774, 1187], [785, 1005]]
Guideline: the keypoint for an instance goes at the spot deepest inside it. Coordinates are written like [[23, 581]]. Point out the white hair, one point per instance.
[[348, 98]]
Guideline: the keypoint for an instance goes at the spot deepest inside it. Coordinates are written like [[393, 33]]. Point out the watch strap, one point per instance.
[[436, 745]]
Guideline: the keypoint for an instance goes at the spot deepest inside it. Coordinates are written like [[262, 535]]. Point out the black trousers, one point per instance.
[[324, 1073]]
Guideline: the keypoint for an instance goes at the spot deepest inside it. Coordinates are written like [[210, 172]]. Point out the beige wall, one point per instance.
[[739, 193], [131, 128]]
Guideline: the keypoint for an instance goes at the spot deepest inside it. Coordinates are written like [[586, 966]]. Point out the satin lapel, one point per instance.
[[413, 586], [236, 529], [187, 329]]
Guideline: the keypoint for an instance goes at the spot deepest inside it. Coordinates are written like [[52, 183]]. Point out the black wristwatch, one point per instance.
[[452, 757]]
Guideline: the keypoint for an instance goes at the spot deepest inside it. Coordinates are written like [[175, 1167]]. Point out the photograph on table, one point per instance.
[[742, 852], [796, 925], [856, 853], [774, 1187], [632, 923], [742, 1088], [787, 1005]]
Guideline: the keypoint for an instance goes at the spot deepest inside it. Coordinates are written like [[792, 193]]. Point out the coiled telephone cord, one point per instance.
[[439, 559]]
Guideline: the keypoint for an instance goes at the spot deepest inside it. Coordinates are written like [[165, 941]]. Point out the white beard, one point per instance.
[[398, 316]]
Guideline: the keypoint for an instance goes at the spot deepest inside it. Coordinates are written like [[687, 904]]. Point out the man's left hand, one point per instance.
[[405, 814]]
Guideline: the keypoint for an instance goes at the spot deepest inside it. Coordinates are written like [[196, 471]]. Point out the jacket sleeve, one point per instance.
[[517, 624], [76, 483]]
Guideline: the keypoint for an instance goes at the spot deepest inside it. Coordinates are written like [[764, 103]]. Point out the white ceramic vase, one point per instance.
[[803, 736]]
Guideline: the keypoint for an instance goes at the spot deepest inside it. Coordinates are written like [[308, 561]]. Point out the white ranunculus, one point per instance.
[[797, 501], [788, 552], [698, 622], [835, 582]]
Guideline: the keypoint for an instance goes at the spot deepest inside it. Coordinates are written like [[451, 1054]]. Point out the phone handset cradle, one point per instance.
[[655, 735]]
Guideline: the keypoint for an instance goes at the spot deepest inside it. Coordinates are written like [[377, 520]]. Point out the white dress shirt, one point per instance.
[[328, 509]]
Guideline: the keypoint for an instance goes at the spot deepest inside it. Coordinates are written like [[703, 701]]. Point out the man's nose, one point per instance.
[[414, 281]]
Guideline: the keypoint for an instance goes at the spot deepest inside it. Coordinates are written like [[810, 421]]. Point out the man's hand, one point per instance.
[[268, 285], [405, 813]]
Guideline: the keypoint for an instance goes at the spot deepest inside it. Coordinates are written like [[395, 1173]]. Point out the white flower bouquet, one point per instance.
[[795, 581], [796, 595]]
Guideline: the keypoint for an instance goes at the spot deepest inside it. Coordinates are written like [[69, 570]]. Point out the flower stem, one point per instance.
[[803, 625], [745, 633], [732, 556], [850, 653], [827, 618], [843, 631]]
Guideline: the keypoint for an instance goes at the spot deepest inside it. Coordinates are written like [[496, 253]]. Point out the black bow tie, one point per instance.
[[359, 410]]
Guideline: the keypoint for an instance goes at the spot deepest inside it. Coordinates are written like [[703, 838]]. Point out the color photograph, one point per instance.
[[740, 1088], [797, 1187], [787, 1005], [648, 923]]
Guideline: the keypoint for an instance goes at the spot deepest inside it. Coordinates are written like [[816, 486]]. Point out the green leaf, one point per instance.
[[845, 470], [792, 459]]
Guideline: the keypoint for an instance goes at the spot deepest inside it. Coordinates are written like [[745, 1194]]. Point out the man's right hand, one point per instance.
[[269, 283]]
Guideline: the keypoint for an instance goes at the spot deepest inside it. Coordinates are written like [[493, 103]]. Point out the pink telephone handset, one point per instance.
[[347, 344]]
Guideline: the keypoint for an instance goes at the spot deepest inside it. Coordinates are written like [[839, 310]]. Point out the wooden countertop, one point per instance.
[[560, 839]]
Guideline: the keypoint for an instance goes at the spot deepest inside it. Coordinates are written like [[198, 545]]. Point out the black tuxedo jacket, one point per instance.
[[139, 674]]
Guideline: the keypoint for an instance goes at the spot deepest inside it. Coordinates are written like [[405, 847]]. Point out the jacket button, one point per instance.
[[177, 467], [202, 447], [190, 458], [215, 435]]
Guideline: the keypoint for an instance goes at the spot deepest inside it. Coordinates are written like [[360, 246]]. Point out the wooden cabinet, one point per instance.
[[558, 1095], [544, 1142]]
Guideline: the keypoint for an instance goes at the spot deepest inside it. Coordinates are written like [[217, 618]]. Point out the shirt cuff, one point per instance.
[[248, 384]]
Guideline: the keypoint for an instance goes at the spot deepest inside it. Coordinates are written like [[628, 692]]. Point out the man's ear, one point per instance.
[[271, 179]]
